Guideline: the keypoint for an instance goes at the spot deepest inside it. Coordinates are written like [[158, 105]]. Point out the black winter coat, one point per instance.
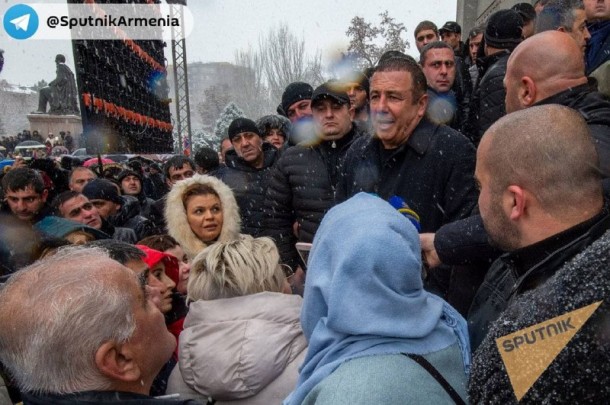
[[433, 173], [580, 374], [129, 217], [465, 241], [527, 268], [595, 109], [301, 189], [488, 103], [249, 186]]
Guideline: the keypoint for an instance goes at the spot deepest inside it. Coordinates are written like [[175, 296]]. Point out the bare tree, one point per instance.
[[283, 60], [250, 88], [365, 48]]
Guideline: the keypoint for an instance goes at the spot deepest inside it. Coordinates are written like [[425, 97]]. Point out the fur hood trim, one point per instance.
[[175, 214]]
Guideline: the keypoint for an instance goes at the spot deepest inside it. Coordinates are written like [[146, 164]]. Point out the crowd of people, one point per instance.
[[65, 140], [390, 236]]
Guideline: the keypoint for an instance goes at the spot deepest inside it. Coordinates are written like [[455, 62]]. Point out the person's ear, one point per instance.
[[117, 362], [516, 202], [44, 195], [422, 104], [527, 91]]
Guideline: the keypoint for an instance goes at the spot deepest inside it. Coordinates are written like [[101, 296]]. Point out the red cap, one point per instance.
[[154, 256]]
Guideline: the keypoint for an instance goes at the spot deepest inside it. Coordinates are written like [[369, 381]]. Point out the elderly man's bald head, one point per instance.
[[529, 81]]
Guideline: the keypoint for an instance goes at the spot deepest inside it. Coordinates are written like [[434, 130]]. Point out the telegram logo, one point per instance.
[[20, 21]]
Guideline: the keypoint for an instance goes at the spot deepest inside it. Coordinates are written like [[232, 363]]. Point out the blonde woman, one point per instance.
[[242, 341], [200, 211]]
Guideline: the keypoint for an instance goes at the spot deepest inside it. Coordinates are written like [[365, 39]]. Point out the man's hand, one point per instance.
[[430, 256]]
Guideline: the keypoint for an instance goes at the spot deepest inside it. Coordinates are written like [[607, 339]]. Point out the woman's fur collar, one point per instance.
[[175, 214]]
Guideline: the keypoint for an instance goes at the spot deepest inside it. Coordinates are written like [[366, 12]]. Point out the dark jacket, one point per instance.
[[462, 88], [595, 109], [121, 234], [465, 241], [249, 186], [432, 172], [100, 397], [145, 204], [301, 188], [527, 268], [129, 217], [157, 216], [598, 47], [443, 109], [581, 371], [488, 104], [159, 187]]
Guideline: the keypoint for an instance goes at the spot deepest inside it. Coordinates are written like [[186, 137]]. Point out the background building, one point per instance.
[[471, 13]]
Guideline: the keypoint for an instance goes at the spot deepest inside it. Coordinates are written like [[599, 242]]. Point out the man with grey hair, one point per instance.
[[79, 177], [102, 342], [566, 16]]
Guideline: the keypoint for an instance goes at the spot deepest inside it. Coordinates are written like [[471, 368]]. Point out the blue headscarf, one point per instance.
[[364, 293]]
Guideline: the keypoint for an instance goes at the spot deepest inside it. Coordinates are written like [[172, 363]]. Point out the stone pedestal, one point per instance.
[[45, 123]]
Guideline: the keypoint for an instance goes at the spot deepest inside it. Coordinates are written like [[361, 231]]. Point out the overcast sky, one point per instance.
[[224, 26]]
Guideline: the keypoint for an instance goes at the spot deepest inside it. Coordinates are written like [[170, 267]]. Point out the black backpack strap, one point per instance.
[[437, 376]]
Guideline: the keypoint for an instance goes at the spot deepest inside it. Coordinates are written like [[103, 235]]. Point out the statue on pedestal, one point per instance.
[[61, 94]]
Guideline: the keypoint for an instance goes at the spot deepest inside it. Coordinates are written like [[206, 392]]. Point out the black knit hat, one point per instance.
[[128, 172], [240, 125], [331, 89], [295, 92], [102, 189], [503, 30]]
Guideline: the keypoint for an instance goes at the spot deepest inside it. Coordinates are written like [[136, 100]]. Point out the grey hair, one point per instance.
[[57, 312], [558, 14], [236, 268]]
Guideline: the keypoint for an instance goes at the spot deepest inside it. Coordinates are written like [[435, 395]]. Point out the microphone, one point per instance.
[[402, 207]]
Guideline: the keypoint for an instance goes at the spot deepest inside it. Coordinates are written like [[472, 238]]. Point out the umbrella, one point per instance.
[[94, 161], [29, 145], [59, 150]]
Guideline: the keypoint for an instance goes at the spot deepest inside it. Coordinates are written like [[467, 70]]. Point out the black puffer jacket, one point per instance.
[[129, 217], [432, 172], [249, 185], [488, 104], [580, 373], [301, 189]]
